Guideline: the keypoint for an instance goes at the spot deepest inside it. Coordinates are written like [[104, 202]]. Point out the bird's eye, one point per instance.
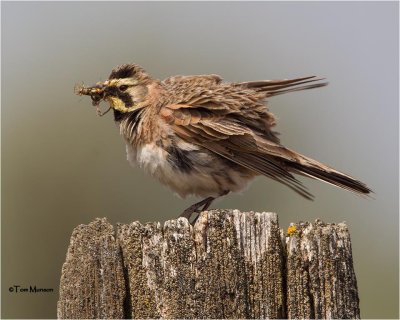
[[123, 87]]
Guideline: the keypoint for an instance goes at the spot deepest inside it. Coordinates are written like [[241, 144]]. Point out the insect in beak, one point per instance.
[[95, 92]]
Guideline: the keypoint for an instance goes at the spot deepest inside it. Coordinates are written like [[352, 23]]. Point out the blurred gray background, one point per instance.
[[63, 166]]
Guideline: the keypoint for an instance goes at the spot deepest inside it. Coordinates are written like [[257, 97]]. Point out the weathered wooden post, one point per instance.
[[321, 283], [229, 265]]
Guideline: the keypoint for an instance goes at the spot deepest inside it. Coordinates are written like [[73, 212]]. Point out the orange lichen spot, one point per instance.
[[291, 230]]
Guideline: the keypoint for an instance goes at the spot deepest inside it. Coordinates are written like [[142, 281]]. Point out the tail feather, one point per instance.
[[324, 173], [277, 87]]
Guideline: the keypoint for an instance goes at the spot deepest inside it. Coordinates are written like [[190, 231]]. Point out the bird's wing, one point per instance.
[[211, 126], [231, 120]]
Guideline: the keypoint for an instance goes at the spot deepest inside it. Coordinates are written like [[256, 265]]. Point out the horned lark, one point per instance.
[[205, 137]]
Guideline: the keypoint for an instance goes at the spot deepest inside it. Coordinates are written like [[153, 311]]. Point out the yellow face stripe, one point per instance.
[[118, 104]]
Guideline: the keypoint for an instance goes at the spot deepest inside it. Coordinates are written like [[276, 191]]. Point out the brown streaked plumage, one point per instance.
[[202, 136]]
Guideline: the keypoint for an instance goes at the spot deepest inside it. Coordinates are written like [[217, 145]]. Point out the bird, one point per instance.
[[205, 137]]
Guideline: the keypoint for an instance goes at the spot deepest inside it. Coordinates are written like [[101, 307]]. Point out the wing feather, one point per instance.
[[233, 141], [277, 87]]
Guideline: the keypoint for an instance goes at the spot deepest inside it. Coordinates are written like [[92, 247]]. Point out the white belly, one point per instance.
[[209, 177]]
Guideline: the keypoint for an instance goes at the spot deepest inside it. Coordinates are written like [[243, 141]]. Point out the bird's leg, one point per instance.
[[187, 213], [195, 208], [206, 205]]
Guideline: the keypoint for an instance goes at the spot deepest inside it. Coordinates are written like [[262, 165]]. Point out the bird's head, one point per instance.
[[125, 89]]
